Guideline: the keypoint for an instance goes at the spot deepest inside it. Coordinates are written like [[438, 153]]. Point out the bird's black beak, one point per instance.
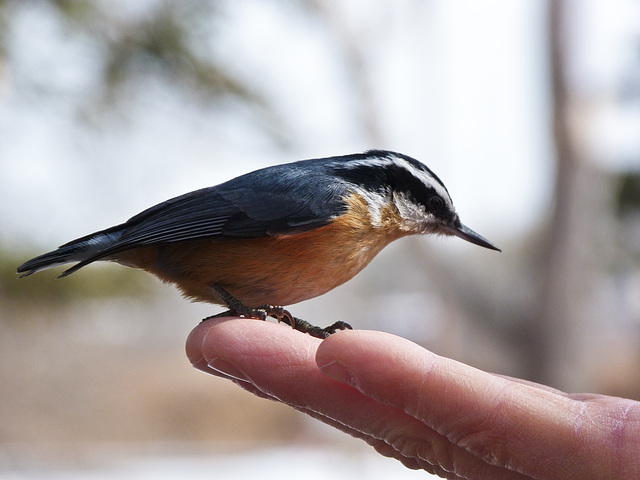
[[459, 230]]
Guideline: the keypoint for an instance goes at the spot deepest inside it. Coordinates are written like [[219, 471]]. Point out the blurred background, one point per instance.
[[528, 111]]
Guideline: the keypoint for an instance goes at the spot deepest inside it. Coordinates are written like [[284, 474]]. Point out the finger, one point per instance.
[[195, 355], [280, 364], [193, 346], [274, 358], [511, 425]]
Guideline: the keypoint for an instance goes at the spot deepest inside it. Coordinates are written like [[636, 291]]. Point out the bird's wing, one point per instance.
[[259, 204], [279, 200]]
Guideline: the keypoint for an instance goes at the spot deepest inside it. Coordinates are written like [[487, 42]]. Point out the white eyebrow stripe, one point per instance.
[[425, 176]]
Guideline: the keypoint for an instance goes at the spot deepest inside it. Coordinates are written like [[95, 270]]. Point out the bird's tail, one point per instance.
[[83, 250]]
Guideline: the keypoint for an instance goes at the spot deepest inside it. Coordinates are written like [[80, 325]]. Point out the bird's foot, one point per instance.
[[305, 327], [236, 307]]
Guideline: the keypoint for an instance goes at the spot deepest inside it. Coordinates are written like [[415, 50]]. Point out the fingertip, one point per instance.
[[247, 341], [329, 350], [367, 359], [339, 355], [196, 340], [352, 344]]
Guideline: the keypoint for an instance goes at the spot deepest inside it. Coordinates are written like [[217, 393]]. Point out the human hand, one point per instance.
[[427, 411]]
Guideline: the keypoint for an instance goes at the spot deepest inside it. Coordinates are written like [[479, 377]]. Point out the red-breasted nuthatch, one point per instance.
[[278, 235]]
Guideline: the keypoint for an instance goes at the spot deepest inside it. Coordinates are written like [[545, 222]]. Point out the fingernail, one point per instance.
[[226, 369], [336, 370]]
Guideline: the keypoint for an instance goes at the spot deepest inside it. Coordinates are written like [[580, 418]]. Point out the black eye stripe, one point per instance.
[[403, 181]]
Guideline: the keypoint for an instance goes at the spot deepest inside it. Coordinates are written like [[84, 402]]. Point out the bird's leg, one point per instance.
[[236, 307]]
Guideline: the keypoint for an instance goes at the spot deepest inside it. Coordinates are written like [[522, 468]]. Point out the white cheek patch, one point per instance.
[[415, 218]]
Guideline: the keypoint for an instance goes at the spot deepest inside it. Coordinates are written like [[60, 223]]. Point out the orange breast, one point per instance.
[[273, 270]]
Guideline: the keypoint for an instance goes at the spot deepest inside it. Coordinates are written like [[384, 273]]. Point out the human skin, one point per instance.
[[427, 411]]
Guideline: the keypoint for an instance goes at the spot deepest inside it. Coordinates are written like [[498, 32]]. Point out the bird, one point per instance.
[[278, 235]]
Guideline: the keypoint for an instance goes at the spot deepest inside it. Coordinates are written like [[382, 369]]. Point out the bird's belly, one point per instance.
[[272, 270]]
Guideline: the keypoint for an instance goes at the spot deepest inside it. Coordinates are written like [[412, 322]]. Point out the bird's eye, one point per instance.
[[435, 204]]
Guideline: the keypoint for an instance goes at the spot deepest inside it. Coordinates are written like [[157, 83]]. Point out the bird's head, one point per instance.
[[418, 196]]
